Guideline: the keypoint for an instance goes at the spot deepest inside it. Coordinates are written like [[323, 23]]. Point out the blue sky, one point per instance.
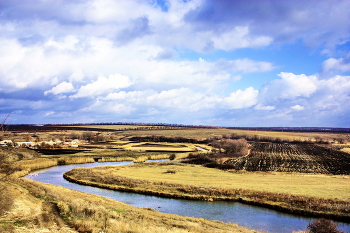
[[200, 62]]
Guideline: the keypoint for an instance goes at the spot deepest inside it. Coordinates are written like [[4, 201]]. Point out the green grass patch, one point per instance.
[[118, 211]]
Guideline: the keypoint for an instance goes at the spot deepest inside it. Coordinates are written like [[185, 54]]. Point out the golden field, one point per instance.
[[312, 185]]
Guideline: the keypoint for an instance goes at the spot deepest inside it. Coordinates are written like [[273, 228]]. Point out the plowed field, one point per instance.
[[284, 157]]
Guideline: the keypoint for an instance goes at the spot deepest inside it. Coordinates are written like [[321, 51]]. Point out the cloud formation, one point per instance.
[[103, 86], [63, 87], [192, 62]]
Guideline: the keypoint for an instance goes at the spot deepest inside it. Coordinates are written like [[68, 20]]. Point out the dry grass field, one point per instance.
[[201, 134], [313, 194], [312, 185]]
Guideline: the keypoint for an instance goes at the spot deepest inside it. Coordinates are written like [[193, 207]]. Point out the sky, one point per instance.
[[256, 63]]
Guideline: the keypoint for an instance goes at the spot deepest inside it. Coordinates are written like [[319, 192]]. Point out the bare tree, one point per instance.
[[3, 126]]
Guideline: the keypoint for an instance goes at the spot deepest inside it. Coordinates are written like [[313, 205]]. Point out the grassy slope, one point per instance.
[[31, 213], [95, 213], [39, 207]]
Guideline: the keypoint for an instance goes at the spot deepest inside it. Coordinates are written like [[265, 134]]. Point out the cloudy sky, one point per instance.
[[200, 62]]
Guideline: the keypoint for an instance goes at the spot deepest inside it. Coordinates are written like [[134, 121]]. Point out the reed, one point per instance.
[[26, 166], [115, 159], [140, 159], [36, 164], [75, 160], [163, 156]]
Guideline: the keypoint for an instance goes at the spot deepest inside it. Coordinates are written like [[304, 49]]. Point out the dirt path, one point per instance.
[[29, 214]]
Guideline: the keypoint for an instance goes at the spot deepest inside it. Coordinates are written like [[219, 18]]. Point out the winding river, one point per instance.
[[252, 217]]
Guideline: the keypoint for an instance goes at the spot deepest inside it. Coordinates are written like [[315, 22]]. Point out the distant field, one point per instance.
[[158, 147], [212, 133], [110, 127], [48, 132], [283, 157]]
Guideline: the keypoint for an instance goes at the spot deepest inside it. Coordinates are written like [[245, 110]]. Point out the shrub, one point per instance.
[[323, 226], [172, 156], [170, 171], [231, 147]]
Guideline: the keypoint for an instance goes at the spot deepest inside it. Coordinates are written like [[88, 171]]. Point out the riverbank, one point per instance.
[[41, 207], [91, 213], [196, 182]]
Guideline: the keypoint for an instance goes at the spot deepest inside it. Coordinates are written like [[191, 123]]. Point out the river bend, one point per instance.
[[252, 217]]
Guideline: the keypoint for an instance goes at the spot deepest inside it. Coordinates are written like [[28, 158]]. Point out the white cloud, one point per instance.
[[187, 99], [49, 113], [261, 107], [290, 86], [333, 65], [239, 38], [241, 99], [80, 60], [67, 43], [297, 107], [103, 86], [63, 87], [240, 65]]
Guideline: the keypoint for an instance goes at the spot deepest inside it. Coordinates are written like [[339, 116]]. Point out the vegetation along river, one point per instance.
[[245, 215]]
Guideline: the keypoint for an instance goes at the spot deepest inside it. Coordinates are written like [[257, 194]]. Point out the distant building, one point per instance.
[[26, 144]]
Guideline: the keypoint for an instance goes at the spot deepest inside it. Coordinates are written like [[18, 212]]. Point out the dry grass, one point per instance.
[[6, 199], [75, 160], [163, 156], [320, 186], [110, 127], [29, 214], [160, 147], [90, 213], [36, 164], [115, 159], [347, 150], [42, 163], [201, 134], [140, 159], [320, 195]]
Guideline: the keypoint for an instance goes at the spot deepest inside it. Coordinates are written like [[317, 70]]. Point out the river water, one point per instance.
[[252, 217]]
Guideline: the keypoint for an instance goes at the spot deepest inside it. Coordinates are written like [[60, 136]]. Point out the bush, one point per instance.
[[323, 226], [172, 156], [231, 147]]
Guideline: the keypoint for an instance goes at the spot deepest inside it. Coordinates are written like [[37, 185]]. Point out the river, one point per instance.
[[252, 217]]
